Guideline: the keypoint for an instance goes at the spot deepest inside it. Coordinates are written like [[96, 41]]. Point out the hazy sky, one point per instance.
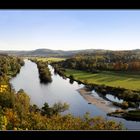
[[69, 29]]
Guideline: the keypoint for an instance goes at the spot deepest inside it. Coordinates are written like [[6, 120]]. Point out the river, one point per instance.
[[59, 90]]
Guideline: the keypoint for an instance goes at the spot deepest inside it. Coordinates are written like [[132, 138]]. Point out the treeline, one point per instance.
[[44, 72], [112, 60], [9, 67]]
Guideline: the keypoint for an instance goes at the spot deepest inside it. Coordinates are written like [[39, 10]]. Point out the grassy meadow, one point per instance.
[[46, 59], [109, 78], [50, 59]]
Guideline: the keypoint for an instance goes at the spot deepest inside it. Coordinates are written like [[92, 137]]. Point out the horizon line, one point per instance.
[[74, 49]]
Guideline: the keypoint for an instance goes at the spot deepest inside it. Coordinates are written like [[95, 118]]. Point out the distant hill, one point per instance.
[[57, 53], [47, 52]]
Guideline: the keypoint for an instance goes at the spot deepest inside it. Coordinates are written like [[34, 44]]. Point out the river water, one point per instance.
[[59, 90]]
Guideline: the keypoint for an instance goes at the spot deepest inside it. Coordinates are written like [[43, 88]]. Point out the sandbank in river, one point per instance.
[[104, 105]]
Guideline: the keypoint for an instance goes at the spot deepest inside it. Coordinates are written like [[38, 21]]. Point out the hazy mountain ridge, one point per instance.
[[46, 52], [56, 53]]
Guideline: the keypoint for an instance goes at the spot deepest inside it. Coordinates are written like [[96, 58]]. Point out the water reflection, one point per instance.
[[113, 98]]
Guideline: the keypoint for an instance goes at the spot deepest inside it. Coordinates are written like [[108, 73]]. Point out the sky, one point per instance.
[[69, 29]]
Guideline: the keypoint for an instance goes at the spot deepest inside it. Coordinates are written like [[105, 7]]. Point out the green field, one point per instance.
[[49, 59], [114, 79]]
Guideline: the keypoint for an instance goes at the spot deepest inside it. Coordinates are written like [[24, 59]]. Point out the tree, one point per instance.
[[46, 110], [59, 107], [7, 99], [22, 104], [12, 119]]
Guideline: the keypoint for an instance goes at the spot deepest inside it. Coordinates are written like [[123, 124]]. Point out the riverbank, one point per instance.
[[133, 115], [104, 105]]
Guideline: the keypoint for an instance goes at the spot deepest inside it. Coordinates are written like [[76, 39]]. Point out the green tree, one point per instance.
[[59, 107], [22, 104]]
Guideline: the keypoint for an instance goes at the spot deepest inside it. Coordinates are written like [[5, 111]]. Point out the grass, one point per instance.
[[51, 59], [115, 79]]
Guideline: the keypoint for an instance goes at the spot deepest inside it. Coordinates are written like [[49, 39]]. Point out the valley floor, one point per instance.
[[115, 79]]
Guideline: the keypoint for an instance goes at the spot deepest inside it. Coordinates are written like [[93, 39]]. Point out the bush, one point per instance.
[[129, 95], [125, 105], [7, 99]]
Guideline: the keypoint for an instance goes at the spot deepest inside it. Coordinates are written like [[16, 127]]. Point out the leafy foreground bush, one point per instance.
[[35, 121], [16, 113], [23, 116]]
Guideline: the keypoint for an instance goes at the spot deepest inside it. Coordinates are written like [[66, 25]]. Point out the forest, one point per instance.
[[110, 61], [16, 112]]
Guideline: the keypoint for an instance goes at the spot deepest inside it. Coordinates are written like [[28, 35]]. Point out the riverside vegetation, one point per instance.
[[44, 72], [113, 72], [16, 112]]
